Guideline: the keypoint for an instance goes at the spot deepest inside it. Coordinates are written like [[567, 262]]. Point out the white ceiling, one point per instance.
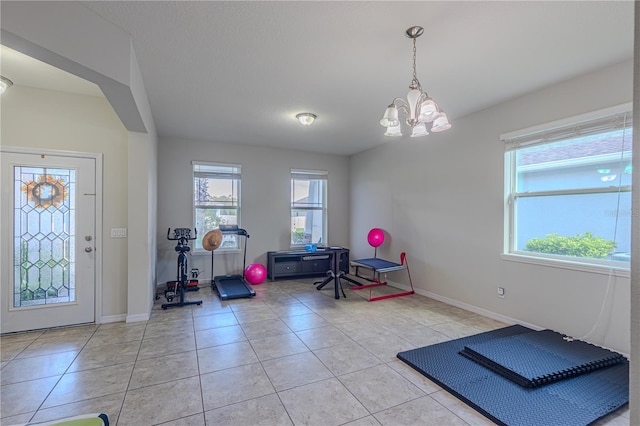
[[238, 72]]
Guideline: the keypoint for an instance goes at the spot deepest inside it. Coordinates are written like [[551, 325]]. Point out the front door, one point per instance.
[[48, 240]]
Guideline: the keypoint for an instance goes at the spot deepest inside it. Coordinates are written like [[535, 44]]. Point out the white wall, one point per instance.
[[265, 202], [142, 203], [142, 213], [46, 119], [441, 199]]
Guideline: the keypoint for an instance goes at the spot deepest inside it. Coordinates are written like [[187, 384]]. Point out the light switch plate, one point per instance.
[[118, 232]]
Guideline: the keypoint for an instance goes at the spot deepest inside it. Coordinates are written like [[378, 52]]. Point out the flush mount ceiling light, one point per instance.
[[306, 118], [419, 109], [5, 83]]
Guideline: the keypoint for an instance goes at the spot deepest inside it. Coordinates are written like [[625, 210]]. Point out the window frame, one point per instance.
[[233, 172], [590, 123], [305, 174]]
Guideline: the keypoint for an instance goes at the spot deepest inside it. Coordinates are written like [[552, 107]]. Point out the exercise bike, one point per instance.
[[182, 236]]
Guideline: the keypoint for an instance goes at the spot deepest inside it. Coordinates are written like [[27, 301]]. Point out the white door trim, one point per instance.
[[98, 157]]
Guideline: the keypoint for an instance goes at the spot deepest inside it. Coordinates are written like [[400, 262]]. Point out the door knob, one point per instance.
[[88, 249]]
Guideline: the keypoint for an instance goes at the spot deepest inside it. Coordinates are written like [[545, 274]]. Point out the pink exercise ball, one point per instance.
[[255, 273], [375, 237]]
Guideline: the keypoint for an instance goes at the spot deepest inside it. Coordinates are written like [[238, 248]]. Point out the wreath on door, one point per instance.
[[46, 192]]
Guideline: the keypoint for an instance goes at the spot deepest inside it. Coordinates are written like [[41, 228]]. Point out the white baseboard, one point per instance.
[[112, 318], [124, 318], [489, 314], [138, 318], [481, 311], [468, 307]]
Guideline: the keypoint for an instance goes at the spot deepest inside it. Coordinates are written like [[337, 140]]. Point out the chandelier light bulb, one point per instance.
[[428, 111], [390, 117], [441, 123], [393, 131], [419, 130]]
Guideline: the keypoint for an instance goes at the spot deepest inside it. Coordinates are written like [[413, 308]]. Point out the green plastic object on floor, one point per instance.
[[94, 419]]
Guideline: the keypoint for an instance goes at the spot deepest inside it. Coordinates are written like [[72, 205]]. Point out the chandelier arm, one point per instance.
[[403, 107], [400, 103]]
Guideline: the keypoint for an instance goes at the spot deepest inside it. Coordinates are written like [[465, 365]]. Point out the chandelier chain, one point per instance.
[[415, 81]]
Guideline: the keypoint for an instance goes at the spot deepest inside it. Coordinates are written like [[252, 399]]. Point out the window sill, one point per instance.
[[616, 271]]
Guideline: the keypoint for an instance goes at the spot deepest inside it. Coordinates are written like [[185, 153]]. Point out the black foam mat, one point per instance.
[[577, 401], [556, 357]]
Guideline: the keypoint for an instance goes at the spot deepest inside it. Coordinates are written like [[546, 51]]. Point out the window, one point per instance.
[[308, 207], [568, 190], [216, 190]]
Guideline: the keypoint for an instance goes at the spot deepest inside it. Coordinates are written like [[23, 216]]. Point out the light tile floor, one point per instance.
[[290, 356]]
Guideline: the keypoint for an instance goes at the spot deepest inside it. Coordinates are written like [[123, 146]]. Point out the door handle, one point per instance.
[[88, 249]]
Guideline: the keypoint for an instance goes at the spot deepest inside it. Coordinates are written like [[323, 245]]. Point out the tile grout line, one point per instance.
[[63, 374]]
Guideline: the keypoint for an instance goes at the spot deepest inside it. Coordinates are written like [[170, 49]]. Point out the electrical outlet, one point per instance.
[[501, 292]]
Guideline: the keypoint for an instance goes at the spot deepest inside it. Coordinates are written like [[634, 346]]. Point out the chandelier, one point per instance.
[[419, 109]]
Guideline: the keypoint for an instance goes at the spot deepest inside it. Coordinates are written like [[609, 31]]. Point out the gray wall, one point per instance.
[[265, 199], [441, 199]]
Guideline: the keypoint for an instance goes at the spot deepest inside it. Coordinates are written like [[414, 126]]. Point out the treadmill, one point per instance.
[[232, 286]]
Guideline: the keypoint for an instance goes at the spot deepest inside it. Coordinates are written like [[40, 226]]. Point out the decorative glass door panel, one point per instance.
[[48, 240], [44, 262]]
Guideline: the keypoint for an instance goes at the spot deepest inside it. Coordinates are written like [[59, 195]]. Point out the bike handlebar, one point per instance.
[[182, 234]]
